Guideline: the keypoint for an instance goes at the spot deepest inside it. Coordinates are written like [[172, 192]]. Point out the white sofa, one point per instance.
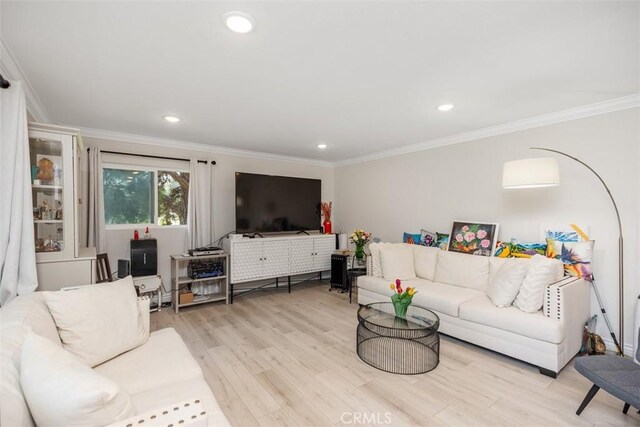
[[453, 286], [160, 375]]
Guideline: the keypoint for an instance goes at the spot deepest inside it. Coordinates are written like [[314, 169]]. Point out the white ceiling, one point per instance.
[[362, 77]]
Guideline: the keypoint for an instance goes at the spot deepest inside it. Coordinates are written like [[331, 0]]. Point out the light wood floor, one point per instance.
[[276, 359]]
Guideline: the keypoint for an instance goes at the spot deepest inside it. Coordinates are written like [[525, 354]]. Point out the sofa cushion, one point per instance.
[[62, 391], [435, 296], [376, 265], [542, 271], [464, 270], [98, 322], [397, 262], [425, 260], [537, 326], [145, 367], [504, 285], [442, 297], [17, 318]]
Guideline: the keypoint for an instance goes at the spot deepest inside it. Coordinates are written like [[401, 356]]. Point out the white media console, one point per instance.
[[280, 256]]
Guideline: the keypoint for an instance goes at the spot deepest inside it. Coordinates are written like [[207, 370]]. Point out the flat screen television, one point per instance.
[[270, 204]]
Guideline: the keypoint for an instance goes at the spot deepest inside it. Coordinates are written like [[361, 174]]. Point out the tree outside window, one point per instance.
[[130, 196]]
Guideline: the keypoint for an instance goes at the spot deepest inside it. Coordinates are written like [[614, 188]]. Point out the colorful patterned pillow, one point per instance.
[[427, 238], [412, 239], [503, 250], [442, 241], [518, 249], [527, 249], [575, 256]]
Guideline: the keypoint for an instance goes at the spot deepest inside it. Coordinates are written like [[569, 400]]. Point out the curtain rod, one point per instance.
[[213, 162], [4, 84]]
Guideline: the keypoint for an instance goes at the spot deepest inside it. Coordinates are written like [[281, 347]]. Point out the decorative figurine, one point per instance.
[[45, 169]]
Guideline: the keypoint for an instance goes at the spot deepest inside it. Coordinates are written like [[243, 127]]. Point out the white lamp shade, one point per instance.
[[531, 173]]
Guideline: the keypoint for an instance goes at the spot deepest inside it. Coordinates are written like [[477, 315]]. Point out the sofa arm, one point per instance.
[[569, 302], [144, 304], [187, 413], [567, 297]]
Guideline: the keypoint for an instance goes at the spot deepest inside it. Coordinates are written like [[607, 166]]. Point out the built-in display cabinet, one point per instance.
[[53, 153]]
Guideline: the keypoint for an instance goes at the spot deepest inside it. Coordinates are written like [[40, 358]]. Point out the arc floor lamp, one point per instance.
[[543, 172]]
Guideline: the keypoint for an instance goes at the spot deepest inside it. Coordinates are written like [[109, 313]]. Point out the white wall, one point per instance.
[[172, 240], [431, 188]]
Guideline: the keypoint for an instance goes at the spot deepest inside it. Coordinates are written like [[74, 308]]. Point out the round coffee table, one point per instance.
[[409, 345]]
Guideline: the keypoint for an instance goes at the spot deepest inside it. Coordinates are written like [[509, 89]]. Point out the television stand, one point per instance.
[[253, 235], [278, 256], [303, 231]]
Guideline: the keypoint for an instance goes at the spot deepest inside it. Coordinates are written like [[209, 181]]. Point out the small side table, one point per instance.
[[149, 285], [358, 268]]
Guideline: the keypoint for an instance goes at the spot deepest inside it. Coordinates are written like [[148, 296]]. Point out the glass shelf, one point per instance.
[[47, 179]]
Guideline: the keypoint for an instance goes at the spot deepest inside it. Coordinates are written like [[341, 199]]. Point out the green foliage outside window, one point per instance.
[[130, 197], [173, 197]]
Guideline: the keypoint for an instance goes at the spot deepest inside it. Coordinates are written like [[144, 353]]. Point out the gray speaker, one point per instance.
[[124, 268]]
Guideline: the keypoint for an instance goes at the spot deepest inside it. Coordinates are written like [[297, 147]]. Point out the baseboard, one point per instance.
[[628, 348]]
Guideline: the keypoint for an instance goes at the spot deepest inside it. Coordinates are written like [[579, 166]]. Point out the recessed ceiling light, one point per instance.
[[322, 146], [172, 119], [238, 22], [445, 107]]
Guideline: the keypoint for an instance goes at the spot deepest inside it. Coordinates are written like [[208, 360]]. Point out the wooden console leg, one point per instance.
[[548, 373]]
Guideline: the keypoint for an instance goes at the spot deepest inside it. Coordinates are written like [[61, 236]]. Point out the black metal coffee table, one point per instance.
[[407, 346]]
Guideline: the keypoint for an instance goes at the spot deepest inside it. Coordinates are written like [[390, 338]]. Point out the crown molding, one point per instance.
[[611, 105], [11, 71], [195, 146]]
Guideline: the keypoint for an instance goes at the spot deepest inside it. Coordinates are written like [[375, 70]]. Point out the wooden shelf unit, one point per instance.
[[179, 264]]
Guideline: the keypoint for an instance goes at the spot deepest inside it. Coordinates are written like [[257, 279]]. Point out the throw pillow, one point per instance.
[[376, 265], [427, 238], [527, 249], [543, 271], [442, 241], [575, 256], [98, 322], [62, 391], [518, 249], [397, 262], [412, 239], [505, 284]]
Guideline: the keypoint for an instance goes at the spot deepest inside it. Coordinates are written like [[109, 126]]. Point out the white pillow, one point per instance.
[[505, 284], [98, 322], [467, 271], [542, 272], [62, 391], [397, 262], [425, 259], [376, 265]]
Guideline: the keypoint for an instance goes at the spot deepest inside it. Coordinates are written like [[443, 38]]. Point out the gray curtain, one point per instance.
[[96, 234]]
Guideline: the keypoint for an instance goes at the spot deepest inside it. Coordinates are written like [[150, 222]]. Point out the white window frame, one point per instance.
[[142, 168]]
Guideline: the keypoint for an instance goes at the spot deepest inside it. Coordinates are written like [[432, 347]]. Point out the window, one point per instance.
[[142, 195]]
